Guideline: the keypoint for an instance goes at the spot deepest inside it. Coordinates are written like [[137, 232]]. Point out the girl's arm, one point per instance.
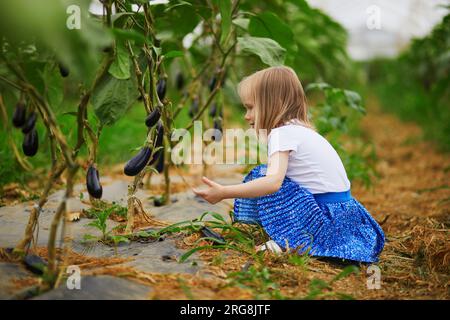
[[276, 171]]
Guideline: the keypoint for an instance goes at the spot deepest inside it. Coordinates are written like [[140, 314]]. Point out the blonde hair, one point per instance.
[[277, 96]]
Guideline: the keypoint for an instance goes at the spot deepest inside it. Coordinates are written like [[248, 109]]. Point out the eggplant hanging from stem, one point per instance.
[[161, 87], [160, 165], [93, 182], [193, 108], [138, 162], [153, 118], [19, 116], [29, 123], [179, 81], [212, 83], [63, 70], [213, 110], [217, 136], [159, 134], [30, 143]]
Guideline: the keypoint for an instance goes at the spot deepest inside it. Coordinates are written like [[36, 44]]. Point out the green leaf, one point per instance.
[[112, 98], [173, 54], [269, 25], [140, 1], [225, 14], [50, 23], [157, 50], [129, 34], [116, 18], [346, 272], [179, 4], [186, 255], [89, 237], [34, 73], [95, 224], [119, 239], [319, 85], [54, 87], [353, 99], [242, 23], [143, 234], [213, 214], [268, 50], [120, 68], [175, 19], [218, 216]]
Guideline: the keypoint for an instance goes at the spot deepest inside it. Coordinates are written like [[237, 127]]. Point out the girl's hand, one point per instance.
[[213, 194]]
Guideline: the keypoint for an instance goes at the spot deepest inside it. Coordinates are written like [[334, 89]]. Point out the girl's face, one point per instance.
[[250, 114]]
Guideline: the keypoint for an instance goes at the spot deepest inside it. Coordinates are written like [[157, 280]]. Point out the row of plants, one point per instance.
[[416, 85], [136, 52]]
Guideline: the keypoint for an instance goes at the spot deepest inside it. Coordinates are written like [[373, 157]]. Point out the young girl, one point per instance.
[[302, 197]]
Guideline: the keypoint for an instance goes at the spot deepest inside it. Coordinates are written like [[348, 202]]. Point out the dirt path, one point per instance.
[[413, 194]]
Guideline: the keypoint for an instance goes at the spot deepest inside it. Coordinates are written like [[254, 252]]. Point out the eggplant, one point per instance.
[[213, 110], [161, 89], [179, 81], [63, 70], [29, 123], [138, 162], [30, 143], [194, 108], [160, 165], [212, 83], [108, 49], [159, 134], [158, 201], [153, 118], [155, 157], [218, 126], [208, 233], [35, 264], [19, 116], [93, 182]]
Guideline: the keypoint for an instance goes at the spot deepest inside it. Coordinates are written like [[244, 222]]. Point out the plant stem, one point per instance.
[[60, 212]]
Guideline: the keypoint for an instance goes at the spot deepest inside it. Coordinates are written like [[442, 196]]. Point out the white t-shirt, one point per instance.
[[313, 162]]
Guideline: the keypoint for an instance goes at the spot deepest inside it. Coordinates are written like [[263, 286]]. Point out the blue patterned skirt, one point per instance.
[[330, 224]]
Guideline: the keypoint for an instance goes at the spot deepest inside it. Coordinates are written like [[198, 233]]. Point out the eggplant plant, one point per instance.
[[133, 55]]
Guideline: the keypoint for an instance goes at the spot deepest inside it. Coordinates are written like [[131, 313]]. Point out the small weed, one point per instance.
[[322, 289], [100, 223], [299, 260], [111, 209], [218, 260], [258, 280]]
